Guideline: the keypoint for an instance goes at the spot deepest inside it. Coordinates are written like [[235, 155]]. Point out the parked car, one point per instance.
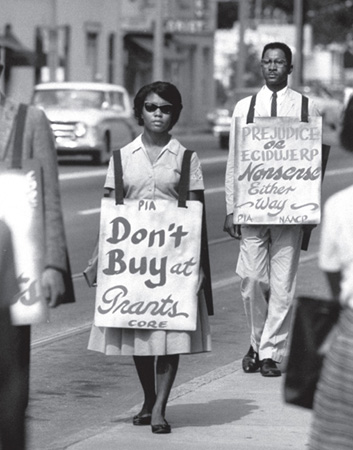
[[220, 118], [220, 124], [329, 103], [87, 118]]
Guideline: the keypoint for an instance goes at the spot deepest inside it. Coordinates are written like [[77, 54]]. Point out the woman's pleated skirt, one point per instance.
[[332, 427], [127, 341]]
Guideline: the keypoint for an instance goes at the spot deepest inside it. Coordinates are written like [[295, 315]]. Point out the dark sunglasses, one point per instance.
[[152, 107]]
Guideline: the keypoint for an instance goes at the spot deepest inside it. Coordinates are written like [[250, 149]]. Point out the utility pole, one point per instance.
[[258, 11], [243, 19], [298, 62], [119, 47], [158, 42], [53, 42]]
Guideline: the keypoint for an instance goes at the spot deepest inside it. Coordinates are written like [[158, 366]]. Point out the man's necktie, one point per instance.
[[274, 105]]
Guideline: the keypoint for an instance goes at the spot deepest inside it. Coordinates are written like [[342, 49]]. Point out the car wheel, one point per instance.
[[102, 156]]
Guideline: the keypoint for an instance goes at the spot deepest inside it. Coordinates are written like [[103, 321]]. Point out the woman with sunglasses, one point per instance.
[[151, 167]]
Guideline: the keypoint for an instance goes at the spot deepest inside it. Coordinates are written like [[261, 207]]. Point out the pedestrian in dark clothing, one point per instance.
[[12, 388]]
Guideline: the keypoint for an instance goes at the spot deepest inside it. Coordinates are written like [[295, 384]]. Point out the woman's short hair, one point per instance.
[[165, 90]]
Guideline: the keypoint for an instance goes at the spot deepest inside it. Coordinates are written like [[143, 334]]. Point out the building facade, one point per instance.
[[112, 41]]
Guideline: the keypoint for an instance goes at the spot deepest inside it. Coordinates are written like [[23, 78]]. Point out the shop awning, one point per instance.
[[18, 54], [146, 44]]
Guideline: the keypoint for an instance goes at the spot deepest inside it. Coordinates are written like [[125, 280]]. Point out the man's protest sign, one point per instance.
[[21, 208], [148, 264], [277, 171]]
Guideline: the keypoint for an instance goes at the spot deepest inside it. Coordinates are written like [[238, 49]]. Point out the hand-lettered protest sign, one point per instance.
[[21, 208], [148, 265], [277, 171]]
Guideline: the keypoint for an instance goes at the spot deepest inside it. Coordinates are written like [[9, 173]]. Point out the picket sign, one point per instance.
[[148, 264], [21, 208], [278, 171]]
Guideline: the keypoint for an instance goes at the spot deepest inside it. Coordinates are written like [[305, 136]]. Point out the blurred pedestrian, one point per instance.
[[154, 159], [333, 403], [38, 143], [12, 389], [346, 135], [269, 254]]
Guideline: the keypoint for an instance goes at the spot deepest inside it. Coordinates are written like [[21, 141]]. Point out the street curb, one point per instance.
[[177, 392]]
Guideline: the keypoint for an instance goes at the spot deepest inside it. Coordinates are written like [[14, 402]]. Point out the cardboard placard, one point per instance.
[[21, 208], [277, 171], [148, 265]]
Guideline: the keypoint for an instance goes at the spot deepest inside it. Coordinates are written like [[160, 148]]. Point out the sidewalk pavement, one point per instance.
[[224, 409]]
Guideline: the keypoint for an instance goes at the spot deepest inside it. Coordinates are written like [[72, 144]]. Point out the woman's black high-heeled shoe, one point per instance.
[[164, 428], [142, 420]]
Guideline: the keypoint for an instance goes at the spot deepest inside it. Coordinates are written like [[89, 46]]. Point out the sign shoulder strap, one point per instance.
[[184, 179], [251, 112], [183, 183], [19, 131], [205, 259], [118, 177], [305, 109]]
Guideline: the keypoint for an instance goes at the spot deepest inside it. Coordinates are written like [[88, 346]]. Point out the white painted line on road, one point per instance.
[[103, 171], [308, 258], [226, 282], [333, 172], [88, 212], [215, 190], [214, 159], [212, 191], [220, 284], [226, 238], [80, 175], [62, 335], [204, 161]]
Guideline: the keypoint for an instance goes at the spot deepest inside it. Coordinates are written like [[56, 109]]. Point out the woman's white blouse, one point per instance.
[[157, 180]]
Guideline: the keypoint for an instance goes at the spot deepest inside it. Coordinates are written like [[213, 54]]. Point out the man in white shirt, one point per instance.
[[269, 254]]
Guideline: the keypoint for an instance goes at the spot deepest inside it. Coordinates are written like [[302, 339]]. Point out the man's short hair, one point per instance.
[[282, 46]]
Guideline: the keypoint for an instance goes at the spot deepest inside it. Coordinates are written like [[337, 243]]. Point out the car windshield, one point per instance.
[[68, 99]]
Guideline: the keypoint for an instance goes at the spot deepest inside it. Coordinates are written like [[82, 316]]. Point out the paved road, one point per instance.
[[75, 390]]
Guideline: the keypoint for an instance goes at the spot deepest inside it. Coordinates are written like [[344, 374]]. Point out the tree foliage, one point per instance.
[[332, 20], [227, 14], [252, 72]]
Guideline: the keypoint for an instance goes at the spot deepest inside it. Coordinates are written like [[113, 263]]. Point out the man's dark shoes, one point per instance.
[[142, 420], [251, 361], [269, 368]]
